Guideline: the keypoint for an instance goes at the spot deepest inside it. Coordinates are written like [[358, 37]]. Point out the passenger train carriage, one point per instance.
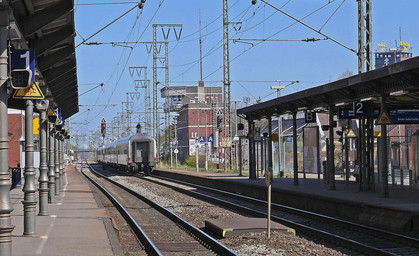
[[136, 153]]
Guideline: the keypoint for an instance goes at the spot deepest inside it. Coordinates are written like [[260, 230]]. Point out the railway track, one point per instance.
[[355, 237], [160, 231]]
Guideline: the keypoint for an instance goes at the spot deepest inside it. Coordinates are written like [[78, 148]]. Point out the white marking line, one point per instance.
[[41, 246], [44, 241]]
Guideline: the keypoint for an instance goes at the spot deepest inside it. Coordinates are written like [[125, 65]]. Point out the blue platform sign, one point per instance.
[[60, 120], [23, 59], [398, 115], [210, 139], [348, 113], [404, 115], [201, 139]]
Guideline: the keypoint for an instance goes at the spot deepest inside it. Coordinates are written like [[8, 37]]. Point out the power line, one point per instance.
[[107, 3], [310, 27]]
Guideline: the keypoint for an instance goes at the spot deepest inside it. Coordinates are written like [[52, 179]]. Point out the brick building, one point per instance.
[[16, 124], [196, 106]]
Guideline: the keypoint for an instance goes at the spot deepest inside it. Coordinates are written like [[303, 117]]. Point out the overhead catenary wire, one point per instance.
[[100, 30], [126, 63], [292, 24], [310, 27]]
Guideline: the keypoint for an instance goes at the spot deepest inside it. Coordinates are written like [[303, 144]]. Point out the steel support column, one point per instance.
[[294, 146], [269, 141], [331, 149], [43, 167], [252, 162], [6, 206], [57, 164], [29, 188], [64, 163], [226, 81], [364, 35], [61, 150], [51, 170], [383, 156]]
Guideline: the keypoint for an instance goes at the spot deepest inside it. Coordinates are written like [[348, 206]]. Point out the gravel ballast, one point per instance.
[[196, 212]]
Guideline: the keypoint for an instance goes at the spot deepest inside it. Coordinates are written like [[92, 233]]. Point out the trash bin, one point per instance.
[[16, 177]]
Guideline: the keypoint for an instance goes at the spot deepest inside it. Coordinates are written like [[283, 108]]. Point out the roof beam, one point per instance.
[[46, 62], [49, 42], [29, 25], [59, 72]]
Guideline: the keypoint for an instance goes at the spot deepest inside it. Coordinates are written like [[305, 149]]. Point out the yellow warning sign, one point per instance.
[[51, 112], [350, 133], [33, 92], [377, 134], [384, 118]]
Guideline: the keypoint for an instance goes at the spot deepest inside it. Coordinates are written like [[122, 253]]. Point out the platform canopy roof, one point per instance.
[[399, 82], [47, 27]]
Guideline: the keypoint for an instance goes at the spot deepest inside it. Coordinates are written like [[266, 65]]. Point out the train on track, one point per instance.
[[135, 153]]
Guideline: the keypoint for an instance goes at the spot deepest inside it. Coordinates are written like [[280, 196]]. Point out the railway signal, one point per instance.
[[103, 127], [219, 122]]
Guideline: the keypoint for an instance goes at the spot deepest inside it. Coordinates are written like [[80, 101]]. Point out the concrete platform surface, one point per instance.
[[397, 213], [77, 223], [242, 225]]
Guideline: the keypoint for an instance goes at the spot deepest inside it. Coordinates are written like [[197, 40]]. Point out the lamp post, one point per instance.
[[206, 141], [197, 141], [176, 149], [235, 149], [278, 94]]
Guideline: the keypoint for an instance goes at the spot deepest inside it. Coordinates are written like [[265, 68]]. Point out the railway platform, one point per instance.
[[77, 223], [398, 213]]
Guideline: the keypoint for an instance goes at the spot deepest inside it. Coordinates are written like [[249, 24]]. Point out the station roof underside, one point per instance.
[[48, 28], [399, 82]]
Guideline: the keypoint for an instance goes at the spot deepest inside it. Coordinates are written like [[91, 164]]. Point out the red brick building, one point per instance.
[[16, 123], [197, 106]]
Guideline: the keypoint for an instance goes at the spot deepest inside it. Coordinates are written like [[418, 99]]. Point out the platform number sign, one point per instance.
[[310, 117], [360, 109], [23, 59]]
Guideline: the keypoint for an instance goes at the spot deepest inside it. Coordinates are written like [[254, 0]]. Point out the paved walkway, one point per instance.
[[77, 223]]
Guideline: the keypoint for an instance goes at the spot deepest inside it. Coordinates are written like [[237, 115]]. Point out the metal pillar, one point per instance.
[[166, 85], [29, 188], [64, 163], [227, 89], [294, 147], [331, 149], [61, 143], [262, 154], [6, 206], [383, 156], [252, 162], [269, 141], [347, 171], [156, 132], [51, 165], [364, 35], [240, 157], [43, 167], [61, 160], [56, 164]]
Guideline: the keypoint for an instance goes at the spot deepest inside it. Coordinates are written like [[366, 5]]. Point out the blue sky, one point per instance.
[[253, 68]]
